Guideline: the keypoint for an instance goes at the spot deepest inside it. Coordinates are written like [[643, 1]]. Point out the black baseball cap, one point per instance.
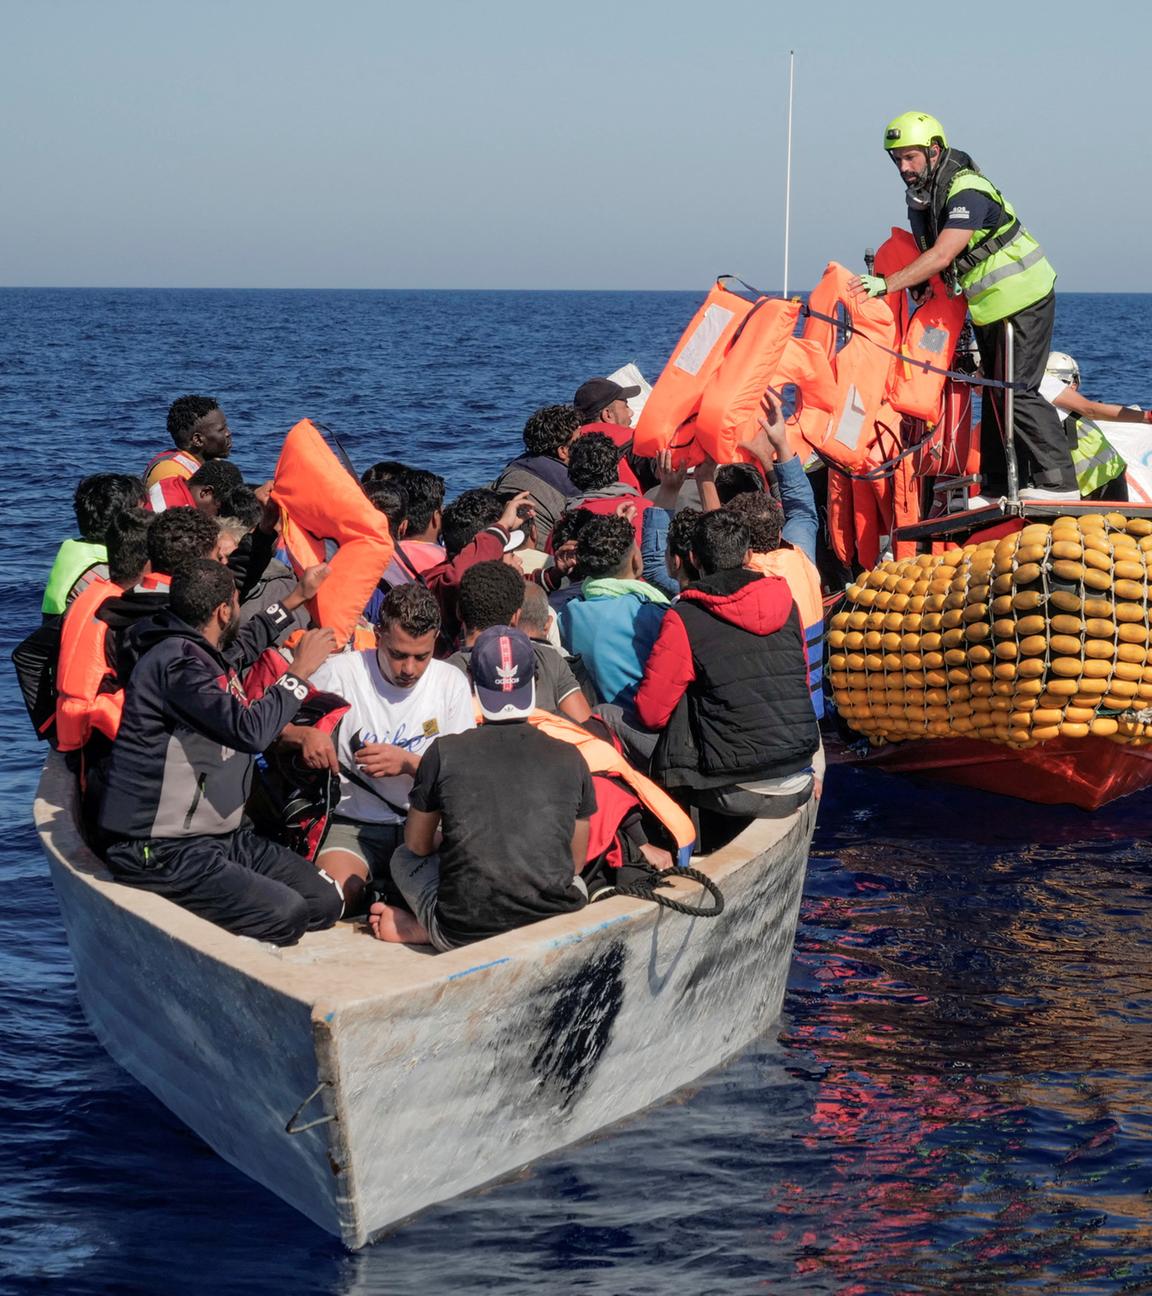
[[597, 394]]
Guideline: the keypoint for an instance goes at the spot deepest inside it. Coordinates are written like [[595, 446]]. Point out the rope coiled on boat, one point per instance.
[[645, 889]]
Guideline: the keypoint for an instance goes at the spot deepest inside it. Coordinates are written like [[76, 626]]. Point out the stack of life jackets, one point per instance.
[[853, 395]]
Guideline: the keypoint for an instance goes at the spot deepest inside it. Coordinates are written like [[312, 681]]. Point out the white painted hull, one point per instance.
[[436, 1073]]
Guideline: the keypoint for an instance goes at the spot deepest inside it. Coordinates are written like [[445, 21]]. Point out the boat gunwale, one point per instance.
[[405, 969]]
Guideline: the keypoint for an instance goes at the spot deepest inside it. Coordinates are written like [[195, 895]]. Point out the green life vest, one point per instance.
[[1096, 461], [73, 559], [1001, 271]]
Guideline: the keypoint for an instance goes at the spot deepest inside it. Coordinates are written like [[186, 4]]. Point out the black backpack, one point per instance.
[[35, 659]]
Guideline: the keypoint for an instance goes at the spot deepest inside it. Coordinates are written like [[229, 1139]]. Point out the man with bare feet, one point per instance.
[[497, 829]]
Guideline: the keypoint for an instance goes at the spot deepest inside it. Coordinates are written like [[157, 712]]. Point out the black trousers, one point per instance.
[[1041, 446], [244, 883]]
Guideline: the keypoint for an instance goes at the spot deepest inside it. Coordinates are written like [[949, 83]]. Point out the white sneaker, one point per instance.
[[1045, 495], [979, 501]]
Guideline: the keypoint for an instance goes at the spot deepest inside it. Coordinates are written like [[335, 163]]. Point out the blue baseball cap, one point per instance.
[[503, 670]]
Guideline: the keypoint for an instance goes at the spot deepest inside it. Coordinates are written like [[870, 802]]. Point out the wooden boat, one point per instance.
[[362, 1082]]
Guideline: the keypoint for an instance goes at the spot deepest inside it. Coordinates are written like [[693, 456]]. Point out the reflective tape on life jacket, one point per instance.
[[1093, 456], [695, 358], [804, 582], [186, 462], [320, 500], [929, 335], [602, 758], [170, 492], [730, 408], [73, 559], [88, 698], [1002, 271]]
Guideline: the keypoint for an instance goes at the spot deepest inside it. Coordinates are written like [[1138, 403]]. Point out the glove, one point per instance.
[[873, 285]]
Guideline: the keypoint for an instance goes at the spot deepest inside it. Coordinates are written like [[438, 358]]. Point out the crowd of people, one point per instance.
[[579, 671]]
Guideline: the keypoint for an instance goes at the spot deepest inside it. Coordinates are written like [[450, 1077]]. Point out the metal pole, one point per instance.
[[1010, 414], [788, 171]]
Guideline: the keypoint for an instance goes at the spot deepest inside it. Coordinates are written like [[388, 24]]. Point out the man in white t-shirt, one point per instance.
[[400, 701]]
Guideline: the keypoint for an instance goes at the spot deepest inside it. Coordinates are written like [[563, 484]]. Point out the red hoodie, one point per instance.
[[758, 604]]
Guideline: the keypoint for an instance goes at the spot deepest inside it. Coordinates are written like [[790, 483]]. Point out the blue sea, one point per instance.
[[959, 1095]]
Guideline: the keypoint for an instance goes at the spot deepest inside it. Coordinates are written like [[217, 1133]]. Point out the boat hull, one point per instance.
[[1085, 772], [411, 1077]]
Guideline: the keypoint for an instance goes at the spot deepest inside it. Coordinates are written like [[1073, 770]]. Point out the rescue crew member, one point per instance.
[[1099, 468], [968, 231], [199, 431]]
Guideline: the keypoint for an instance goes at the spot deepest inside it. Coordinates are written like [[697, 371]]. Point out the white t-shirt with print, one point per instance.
[[440, 702]]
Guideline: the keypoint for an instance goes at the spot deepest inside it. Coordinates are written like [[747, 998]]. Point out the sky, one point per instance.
[[508, 144]]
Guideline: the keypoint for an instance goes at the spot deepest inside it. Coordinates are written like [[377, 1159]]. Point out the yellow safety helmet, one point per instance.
[[913, 130]]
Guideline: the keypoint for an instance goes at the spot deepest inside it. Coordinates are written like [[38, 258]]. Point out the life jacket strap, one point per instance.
[[982, 251]]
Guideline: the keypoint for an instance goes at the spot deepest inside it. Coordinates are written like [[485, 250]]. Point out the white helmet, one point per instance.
[[1061, 365]]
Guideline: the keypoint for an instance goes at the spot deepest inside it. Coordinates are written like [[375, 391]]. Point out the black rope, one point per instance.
[[645, 889], [923, 365]]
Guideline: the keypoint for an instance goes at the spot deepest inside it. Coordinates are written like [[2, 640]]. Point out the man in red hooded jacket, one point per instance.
[[727, 683]]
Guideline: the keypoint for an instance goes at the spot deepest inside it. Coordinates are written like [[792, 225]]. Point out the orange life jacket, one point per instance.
[[929, 335], [804, 581], [363, 639], [805, 365], [186, 463], [602, 758], [87, 696], [845, 437], [695, 358], [320, 500], [730, 408], [170, 492]]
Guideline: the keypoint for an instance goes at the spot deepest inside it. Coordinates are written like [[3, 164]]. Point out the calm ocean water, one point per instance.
[[958, 1099]]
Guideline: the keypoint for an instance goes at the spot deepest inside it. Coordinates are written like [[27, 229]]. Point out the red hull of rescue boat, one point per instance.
[[1084, 772]]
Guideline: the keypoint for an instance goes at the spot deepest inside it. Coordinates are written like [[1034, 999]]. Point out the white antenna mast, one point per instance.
[[788, 171]]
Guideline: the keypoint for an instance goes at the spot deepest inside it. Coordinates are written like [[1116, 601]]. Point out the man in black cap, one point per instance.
[[513, 807], [600, 400], [602, 406]]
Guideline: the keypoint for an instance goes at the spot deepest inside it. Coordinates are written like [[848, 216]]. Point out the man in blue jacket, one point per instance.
[[171, 820]]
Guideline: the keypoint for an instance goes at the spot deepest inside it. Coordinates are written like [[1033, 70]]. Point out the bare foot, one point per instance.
[[388, 923]]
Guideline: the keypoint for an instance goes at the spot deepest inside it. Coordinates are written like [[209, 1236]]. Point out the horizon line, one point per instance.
[[1067, 292]]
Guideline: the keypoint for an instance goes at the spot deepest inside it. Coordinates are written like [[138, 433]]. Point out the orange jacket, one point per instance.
[[695, 358], [320, 500], [804, 581], [730, 408], [602, 758], [88, 696]]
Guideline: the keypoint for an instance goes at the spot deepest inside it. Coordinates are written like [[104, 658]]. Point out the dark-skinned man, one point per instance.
[[199, 432], [968, 231]]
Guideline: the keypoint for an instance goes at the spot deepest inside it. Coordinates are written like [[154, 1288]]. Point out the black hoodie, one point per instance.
[[182, 761]]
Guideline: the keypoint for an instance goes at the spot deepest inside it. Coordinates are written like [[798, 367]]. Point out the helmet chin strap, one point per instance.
[[920, 194]]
